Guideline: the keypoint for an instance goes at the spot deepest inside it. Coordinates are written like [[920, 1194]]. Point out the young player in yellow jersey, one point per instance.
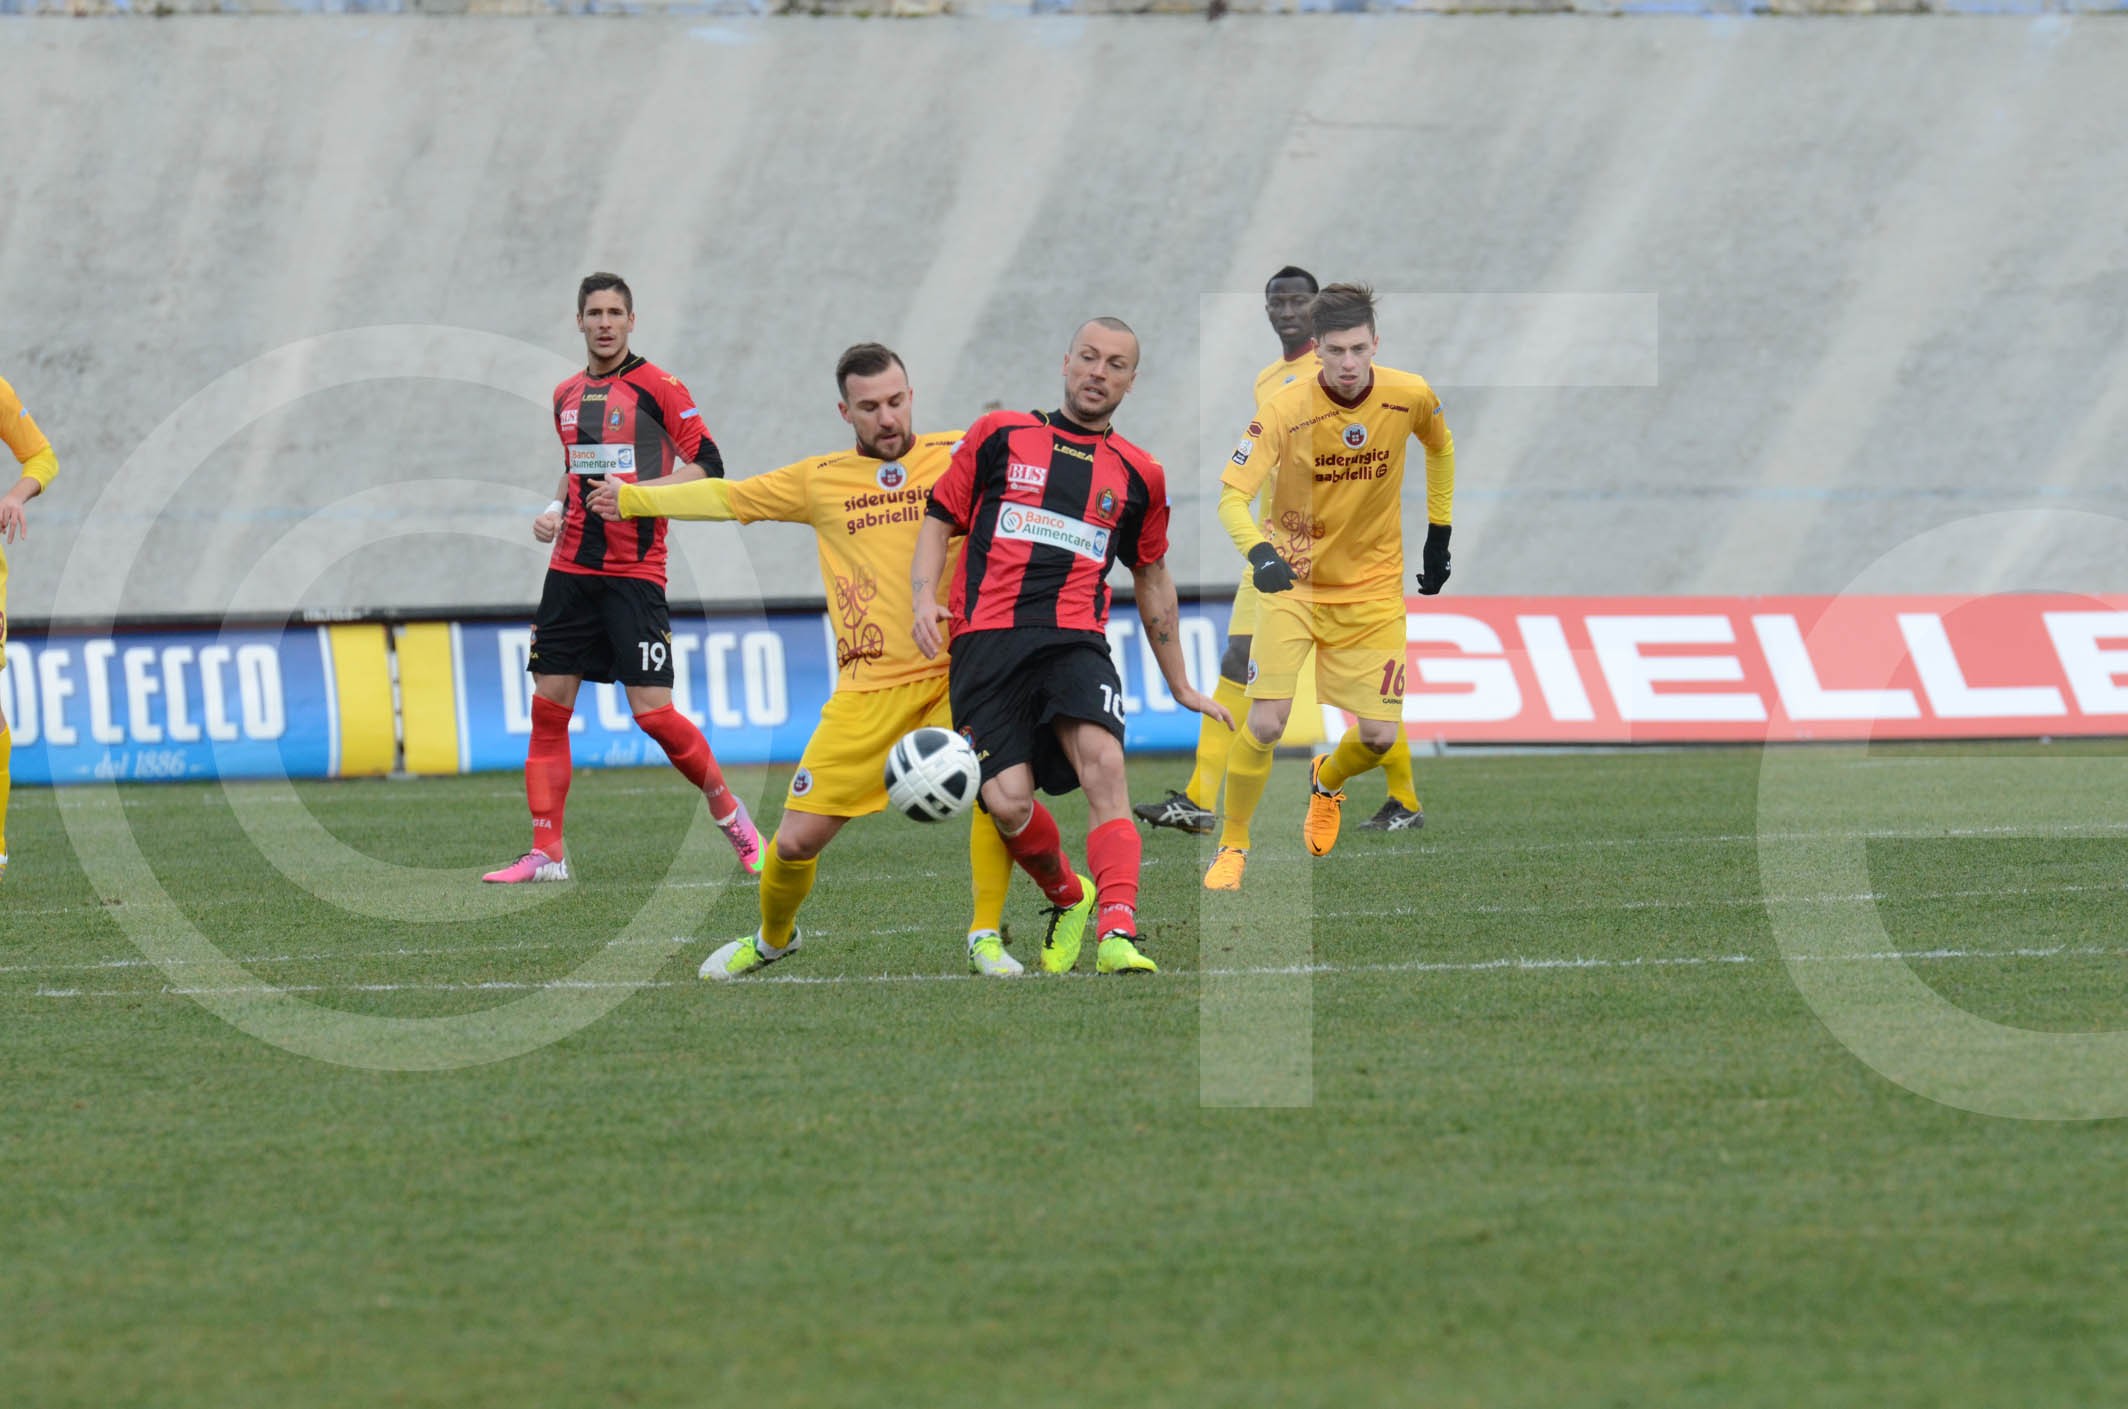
[[34, 453], [865, 506], [1288, 296], [1329, 557]]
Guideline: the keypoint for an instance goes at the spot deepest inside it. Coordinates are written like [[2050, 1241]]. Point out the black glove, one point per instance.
[[1272, 573], [1433, 561]]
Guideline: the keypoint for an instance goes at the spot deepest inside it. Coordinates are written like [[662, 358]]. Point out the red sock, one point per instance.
[[1112, 852], [689, 752], [1040, 851], [547, 774]]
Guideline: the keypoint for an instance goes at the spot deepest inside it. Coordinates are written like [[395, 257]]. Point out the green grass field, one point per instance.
[[1559, 1126]]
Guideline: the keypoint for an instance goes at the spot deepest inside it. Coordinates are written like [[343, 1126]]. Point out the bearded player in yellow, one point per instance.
[[1288, 297], [34, 453], [1329, 558], [866, 506]]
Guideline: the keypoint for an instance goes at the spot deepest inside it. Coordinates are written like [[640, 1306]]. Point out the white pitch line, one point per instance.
[[1394, 912], [1508, 963]]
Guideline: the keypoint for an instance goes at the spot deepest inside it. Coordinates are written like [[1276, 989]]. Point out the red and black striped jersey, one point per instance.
[[1048, 507], [631, 423]]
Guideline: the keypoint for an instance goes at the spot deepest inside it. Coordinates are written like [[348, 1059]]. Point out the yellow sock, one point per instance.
[[1248, 770], [990, 869], [784, 887], [1396, 768], [6, 761], [1213, 741], [1347, 761]]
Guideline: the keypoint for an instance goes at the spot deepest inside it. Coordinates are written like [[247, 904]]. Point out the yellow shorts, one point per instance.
[[1359, 653], [843, 772], [3, 611]]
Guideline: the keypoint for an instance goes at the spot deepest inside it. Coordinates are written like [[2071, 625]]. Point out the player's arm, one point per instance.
[[926, 570], [1432, 432], [1248, 471], [35, 455], [1160, 614], [780, 495]]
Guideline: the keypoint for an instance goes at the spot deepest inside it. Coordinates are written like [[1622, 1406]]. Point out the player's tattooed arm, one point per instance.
[[1162, 616]]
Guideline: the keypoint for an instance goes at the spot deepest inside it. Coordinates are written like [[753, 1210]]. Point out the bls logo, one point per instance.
[[891, 475], [1354, 436], [568, 421]]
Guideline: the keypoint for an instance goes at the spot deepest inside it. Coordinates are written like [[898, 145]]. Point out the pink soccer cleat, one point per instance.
[[534, 865], [739, 831]]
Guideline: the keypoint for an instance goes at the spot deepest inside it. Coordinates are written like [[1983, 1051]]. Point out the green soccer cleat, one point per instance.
[[743, 956], [987, 956], [1119, 954], [1067, 930]]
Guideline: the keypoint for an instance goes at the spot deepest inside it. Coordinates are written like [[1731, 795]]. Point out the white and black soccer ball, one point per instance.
[[933, 774]]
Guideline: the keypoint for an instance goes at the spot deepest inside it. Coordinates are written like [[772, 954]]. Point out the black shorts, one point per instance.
[[1010, 687], [604, 629]]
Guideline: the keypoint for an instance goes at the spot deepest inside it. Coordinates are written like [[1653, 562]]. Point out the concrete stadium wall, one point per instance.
[[288, 295]]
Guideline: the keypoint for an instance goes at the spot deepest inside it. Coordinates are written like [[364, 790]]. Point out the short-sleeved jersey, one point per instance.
[[633, 422], [1048, 507], [1335, 475], [865, 514]]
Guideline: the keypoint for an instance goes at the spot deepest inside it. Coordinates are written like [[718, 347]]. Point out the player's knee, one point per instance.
[[1234, 664], [1009, 810], [1376, 735]]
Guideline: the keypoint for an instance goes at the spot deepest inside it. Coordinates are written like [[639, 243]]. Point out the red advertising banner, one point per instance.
[[1757, 669]]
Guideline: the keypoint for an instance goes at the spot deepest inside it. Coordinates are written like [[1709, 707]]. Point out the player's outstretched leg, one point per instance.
[[546, 794], [1400, 811], [689, 752], [990, 873]]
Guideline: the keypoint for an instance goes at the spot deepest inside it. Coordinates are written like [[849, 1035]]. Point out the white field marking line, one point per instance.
[[1394, 912], [1508, 963]]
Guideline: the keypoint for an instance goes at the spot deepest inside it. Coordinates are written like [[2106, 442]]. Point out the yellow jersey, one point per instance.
[[865, 514], [1334, 474], [1306, 366], [32, 451]]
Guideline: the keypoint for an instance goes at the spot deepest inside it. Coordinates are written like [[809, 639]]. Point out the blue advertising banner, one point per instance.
[[156, 705], [329, 701], [756, 685]]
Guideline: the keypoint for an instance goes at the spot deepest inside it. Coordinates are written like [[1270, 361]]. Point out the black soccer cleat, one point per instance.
[[1395, 817], [1177, 811]]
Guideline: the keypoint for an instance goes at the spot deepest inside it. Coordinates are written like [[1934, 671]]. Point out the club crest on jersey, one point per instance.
[[615, 418], [1105, 505], [1256, 430], [1354, 436], [801, 782], [891, 475]]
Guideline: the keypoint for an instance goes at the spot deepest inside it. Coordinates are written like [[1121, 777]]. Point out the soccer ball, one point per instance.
[[933, 774]]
